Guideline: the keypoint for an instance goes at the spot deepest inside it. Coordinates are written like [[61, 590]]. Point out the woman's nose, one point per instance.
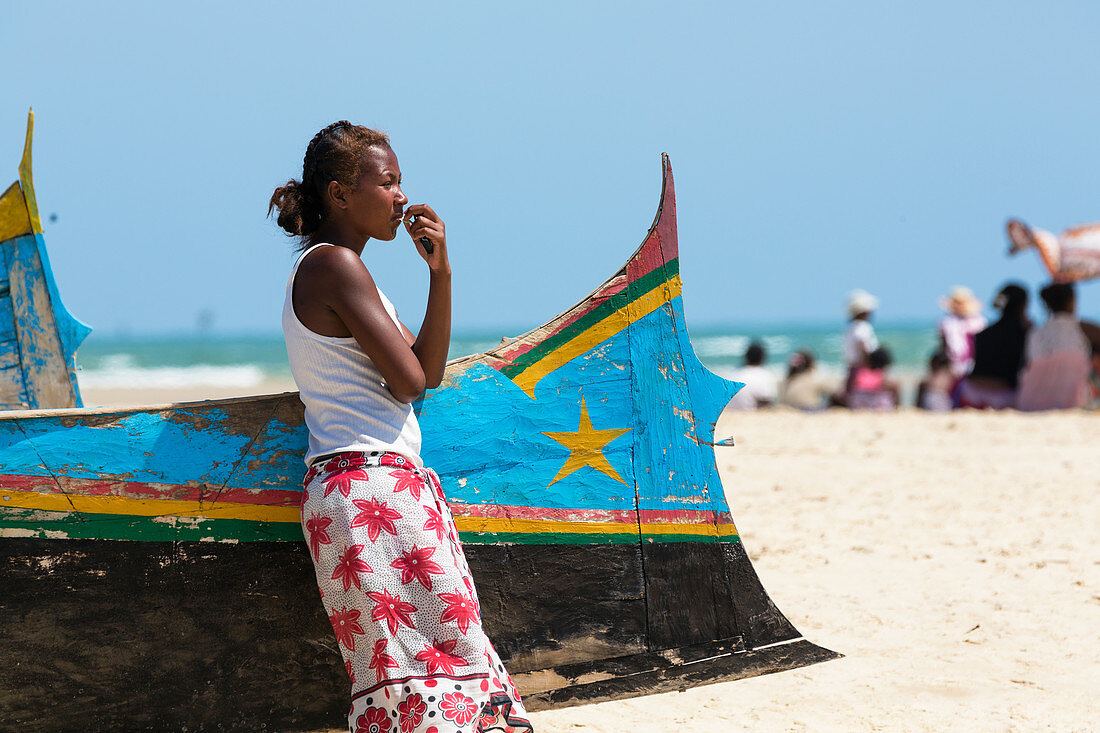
[[401, 197]]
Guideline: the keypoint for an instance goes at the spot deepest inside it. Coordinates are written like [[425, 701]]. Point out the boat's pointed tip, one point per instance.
[[28, 139], [26, 177]]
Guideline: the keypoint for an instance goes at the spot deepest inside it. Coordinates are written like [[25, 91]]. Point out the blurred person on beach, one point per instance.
[[998, 354], [957, 329], [1094, 379], [872, 388], [391, 571], [804, 389], [934, 391], [761, 386], [1059, 356], [859, 338]]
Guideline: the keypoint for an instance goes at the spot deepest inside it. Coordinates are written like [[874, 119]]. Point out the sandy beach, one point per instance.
[[952, 558]]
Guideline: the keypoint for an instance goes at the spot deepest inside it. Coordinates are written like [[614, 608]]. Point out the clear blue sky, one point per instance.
[[817, 147]]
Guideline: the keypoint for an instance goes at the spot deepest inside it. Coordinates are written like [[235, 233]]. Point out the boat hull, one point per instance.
[[123, 635]]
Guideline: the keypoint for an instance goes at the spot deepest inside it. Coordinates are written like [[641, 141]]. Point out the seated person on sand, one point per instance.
[[871, 388], [1059, 356], [934, 392], [859, 338], [957, 329], [998, 354], [804, 388], [1094, 379], [761, 386]]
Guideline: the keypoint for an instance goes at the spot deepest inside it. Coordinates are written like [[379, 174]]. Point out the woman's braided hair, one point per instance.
[[334, 154]]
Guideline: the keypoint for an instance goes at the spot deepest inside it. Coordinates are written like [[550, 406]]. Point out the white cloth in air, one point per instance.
[[348, 407]]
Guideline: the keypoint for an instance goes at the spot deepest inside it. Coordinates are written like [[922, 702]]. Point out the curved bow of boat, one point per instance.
[[38, 335]]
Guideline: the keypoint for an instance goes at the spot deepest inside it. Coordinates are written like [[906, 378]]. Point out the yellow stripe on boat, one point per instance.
[[120, 505], [584, 342], [147, 507]]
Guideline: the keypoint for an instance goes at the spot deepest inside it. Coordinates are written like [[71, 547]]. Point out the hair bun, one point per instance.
[[299, 213]]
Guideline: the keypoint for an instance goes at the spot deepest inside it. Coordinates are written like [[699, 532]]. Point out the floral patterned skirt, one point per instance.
[[397, 589]]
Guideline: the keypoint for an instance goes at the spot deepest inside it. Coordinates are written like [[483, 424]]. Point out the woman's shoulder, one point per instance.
[[333, 264]]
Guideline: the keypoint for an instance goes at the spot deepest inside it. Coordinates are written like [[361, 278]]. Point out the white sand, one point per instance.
[[952, 558], [120, 397]]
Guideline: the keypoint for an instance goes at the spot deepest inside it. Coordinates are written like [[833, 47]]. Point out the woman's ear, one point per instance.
[[335, 194]]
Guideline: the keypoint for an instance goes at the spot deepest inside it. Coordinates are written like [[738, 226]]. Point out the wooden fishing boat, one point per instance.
[[38, 336], [154, 573]]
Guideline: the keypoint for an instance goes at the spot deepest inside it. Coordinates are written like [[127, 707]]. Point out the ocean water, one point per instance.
[[243, 361]]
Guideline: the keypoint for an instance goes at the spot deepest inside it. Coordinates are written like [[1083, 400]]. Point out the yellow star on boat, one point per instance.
[[586, 447]]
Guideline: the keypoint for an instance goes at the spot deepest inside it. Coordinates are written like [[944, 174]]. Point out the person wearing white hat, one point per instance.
[[859, 339], [957, 329]]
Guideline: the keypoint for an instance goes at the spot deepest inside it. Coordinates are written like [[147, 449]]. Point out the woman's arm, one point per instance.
[[334, 293], [434, 338]]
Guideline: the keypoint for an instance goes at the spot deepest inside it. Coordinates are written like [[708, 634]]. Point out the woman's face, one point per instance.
[[377, 204]]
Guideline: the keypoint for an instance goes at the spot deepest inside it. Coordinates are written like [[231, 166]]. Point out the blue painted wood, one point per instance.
[[71, 330], [507, 458], [196, 444], [9, 342], [46, 334]]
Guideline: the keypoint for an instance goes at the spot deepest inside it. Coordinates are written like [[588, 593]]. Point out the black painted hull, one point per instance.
[[116, 635]]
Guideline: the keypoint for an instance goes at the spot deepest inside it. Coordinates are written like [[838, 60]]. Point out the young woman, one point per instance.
[[392, 575]]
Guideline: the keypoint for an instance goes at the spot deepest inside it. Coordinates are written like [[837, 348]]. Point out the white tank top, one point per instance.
[[348, 407]]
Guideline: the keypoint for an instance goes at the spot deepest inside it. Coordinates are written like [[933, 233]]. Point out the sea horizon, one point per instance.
[[243, 359]]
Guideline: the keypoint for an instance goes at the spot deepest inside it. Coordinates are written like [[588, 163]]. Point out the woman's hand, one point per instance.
[[429, 225]]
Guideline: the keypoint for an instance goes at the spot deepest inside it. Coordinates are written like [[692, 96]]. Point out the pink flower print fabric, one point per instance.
[[397, 589]]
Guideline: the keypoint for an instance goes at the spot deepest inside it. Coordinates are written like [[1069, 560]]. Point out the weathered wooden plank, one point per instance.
[[9, 344], [721, 665], [11, 386], [232, 635], [45, 364], [164, 635], [227, 636], [547, 605]]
